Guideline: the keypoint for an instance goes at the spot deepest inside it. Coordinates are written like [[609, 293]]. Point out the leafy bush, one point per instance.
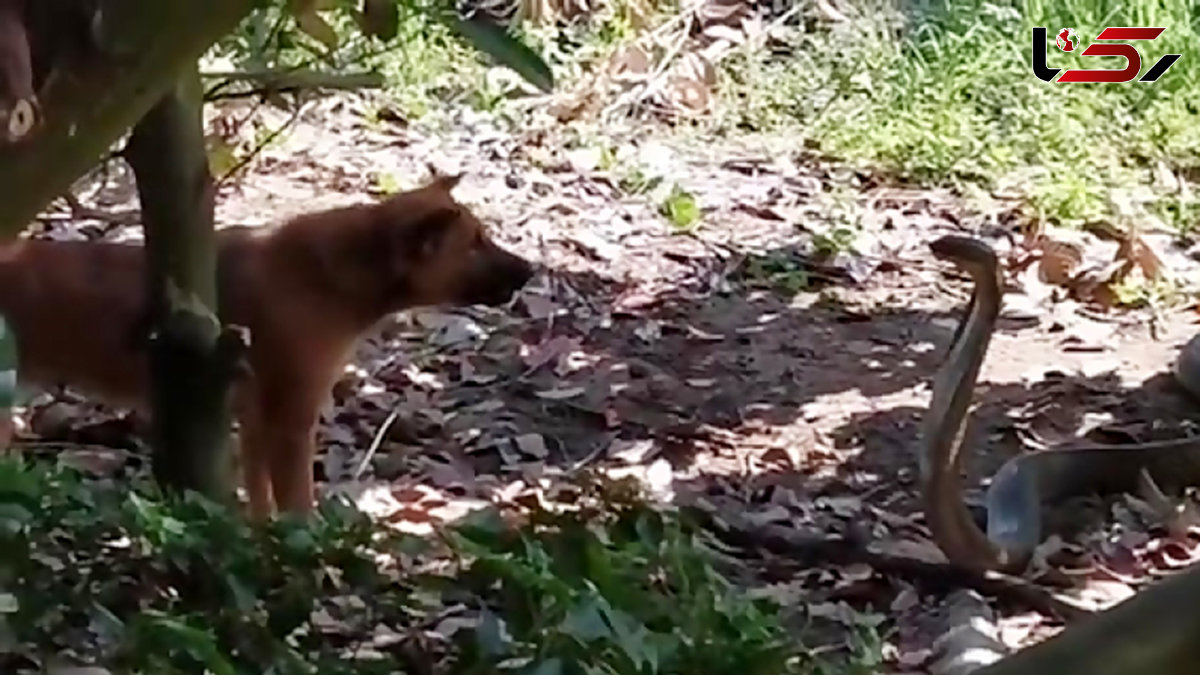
[[622, 592], [147, 585], [116, 574]]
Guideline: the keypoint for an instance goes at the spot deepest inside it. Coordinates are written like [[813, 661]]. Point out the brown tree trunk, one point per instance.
[[192, 361]]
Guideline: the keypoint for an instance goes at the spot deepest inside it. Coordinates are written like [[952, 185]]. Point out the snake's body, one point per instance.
[[1025, 483]]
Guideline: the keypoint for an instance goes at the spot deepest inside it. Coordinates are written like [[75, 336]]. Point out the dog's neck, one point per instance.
[[354, 276]]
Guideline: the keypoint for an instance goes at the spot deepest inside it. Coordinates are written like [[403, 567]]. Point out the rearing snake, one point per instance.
[[1024, 483]]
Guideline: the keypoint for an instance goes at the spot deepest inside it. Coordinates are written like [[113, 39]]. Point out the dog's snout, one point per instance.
[[510, 273], [515, 269], [523, 270]]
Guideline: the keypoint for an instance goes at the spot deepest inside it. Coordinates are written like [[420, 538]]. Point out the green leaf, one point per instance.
[[243, 598], [484, 526], [222, 157], [106, 624], [14, 518], [681, 208], [300, 541], [489, 37], [197, 643], [630, 636], [551, 666], [491, 635], [586, 624], [387, 183]]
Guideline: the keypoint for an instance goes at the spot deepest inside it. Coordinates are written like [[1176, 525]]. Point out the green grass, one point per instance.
[[428, 69], [933, 91], [424, 67], [947, 94], [111, 573]]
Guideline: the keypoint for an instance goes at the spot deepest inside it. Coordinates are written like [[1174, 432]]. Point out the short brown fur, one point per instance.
[[307, 290]]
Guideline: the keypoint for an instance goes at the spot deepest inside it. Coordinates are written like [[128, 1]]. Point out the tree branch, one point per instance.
[[278, 81], [86, 110]]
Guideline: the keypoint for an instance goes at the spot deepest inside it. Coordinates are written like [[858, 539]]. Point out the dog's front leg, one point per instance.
[[254, 452], [293, 373], [285, 439], [292, 451]]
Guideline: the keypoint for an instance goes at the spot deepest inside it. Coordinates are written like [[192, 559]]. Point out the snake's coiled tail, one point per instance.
[[1025, 483]]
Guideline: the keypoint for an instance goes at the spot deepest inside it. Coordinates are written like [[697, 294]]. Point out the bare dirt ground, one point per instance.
[[672, 357]]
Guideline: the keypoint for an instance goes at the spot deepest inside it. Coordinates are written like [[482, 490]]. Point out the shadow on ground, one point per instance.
[[746, 376]]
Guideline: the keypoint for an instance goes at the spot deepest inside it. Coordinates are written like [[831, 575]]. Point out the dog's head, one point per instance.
[[440, 253]]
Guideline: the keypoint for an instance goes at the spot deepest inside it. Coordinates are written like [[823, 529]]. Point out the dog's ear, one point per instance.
[[422, 239], [444, 181], [447, 182]]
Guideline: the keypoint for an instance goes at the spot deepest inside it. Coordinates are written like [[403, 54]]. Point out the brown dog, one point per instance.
[[307, 290]]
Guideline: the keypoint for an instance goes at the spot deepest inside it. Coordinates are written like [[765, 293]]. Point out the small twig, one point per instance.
[[292, 80], [683, 15], [951, 292], [83, 212], [758, 40], [300, 77], [272, 35], [686, 15], [589, 458], [654, 81], [376, 442], [1094, 315], [258, 148]]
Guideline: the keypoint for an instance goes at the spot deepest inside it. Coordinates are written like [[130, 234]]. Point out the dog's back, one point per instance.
[[76, 307], [73, 306]]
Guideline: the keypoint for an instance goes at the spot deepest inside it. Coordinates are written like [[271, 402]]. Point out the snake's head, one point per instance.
[[961, 249], [978, 259], [975, 256]]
